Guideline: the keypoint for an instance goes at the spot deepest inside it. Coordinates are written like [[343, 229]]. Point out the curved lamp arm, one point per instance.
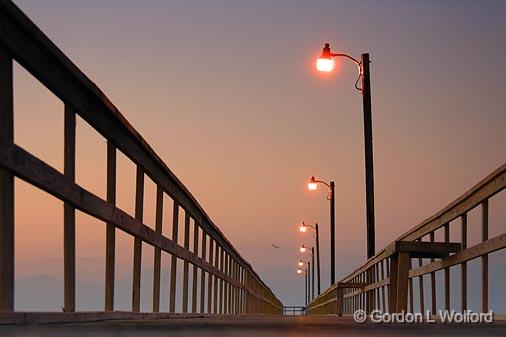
[[326, 54]]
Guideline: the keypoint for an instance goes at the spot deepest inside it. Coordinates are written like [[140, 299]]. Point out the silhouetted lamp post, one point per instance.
[[303, 249], [303, 229], [312, 186], [326, 63]]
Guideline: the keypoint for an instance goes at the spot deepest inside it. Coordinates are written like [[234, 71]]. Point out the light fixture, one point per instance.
[[312, 185]]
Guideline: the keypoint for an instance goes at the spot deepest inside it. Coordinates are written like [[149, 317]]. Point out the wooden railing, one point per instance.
[[385, 281], [228, 284]]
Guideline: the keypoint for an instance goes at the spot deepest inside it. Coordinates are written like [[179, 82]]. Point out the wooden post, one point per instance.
[[392, 290], [210, 277], [433, 283], [203, 275], [463, 294], [69, 218], [194, 278], [157, 263], [339, 301], [6, 188], [484, 258], [173, 264], [139, 207], [447, 270], [185, 263], [403, 265], [110, 234]]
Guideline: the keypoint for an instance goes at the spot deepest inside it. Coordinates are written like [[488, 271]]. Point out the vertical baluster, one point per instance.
[[173, 263], [215, 290], [139, 205], [231, 298], [382, 272], [210, 277], [377, 291], [158, 253], [433, 283], [69, 232], [484, 258], [222, 269], [410, 284], [463, 275], [387, 289], [237, 289], [447, 270], [246, 297], [203, 275], [6, 187], [225, 294], [185, 263], [110, 235], [420, 287], [194, 278]]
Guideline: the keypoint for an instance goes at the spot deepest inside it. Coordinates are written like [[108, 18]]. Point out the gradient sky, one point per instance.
[[226, 93]]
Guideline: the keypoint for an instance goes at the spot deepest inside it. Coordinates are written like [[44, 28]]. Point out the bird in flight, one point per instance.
[[274, 246]]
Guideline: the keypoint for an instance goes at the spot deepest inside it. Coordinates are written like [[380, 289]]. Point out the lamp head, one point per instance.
[[299, 271], [301, 263], [325, 63], [312, 185], [302, 249], [303, 228]]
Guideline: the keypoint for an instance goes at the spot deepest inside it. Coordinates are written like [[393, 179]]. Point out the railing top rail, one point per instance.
[[31, 48]]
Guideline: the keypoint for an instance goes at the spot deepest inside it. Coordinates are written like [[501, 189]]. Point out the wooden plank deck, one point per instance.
[[247, 326]]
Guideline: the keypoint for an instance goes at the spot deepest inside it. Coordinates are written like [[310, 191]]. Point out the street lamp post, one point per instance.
[[303, 249], [313, 185], [326, 63], [303, 228]]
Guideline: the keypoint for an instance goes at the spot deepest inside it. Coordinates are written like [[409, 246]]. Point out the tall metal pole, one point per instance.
[[309, 282], [318, 255], [332, 235], [369, 171], [305, 285], [312, 273]]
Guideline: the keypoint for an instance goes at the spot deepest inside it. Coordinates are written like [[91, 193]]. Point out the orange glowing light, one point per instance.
[[312, 185], [301, 263], [302, 249], [303, 228], [299, 271], [325, 64]]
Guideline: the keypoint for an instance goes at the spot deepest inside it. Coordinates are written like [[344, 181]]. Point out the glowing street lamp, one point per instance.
[[303, 228], [325, 64], [301, 263], [303, 249], [299, 271], [312, 186]]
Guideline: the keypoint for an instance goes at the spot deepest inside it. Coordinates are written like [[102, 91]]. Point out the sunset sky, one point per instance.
[[227, 95]]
